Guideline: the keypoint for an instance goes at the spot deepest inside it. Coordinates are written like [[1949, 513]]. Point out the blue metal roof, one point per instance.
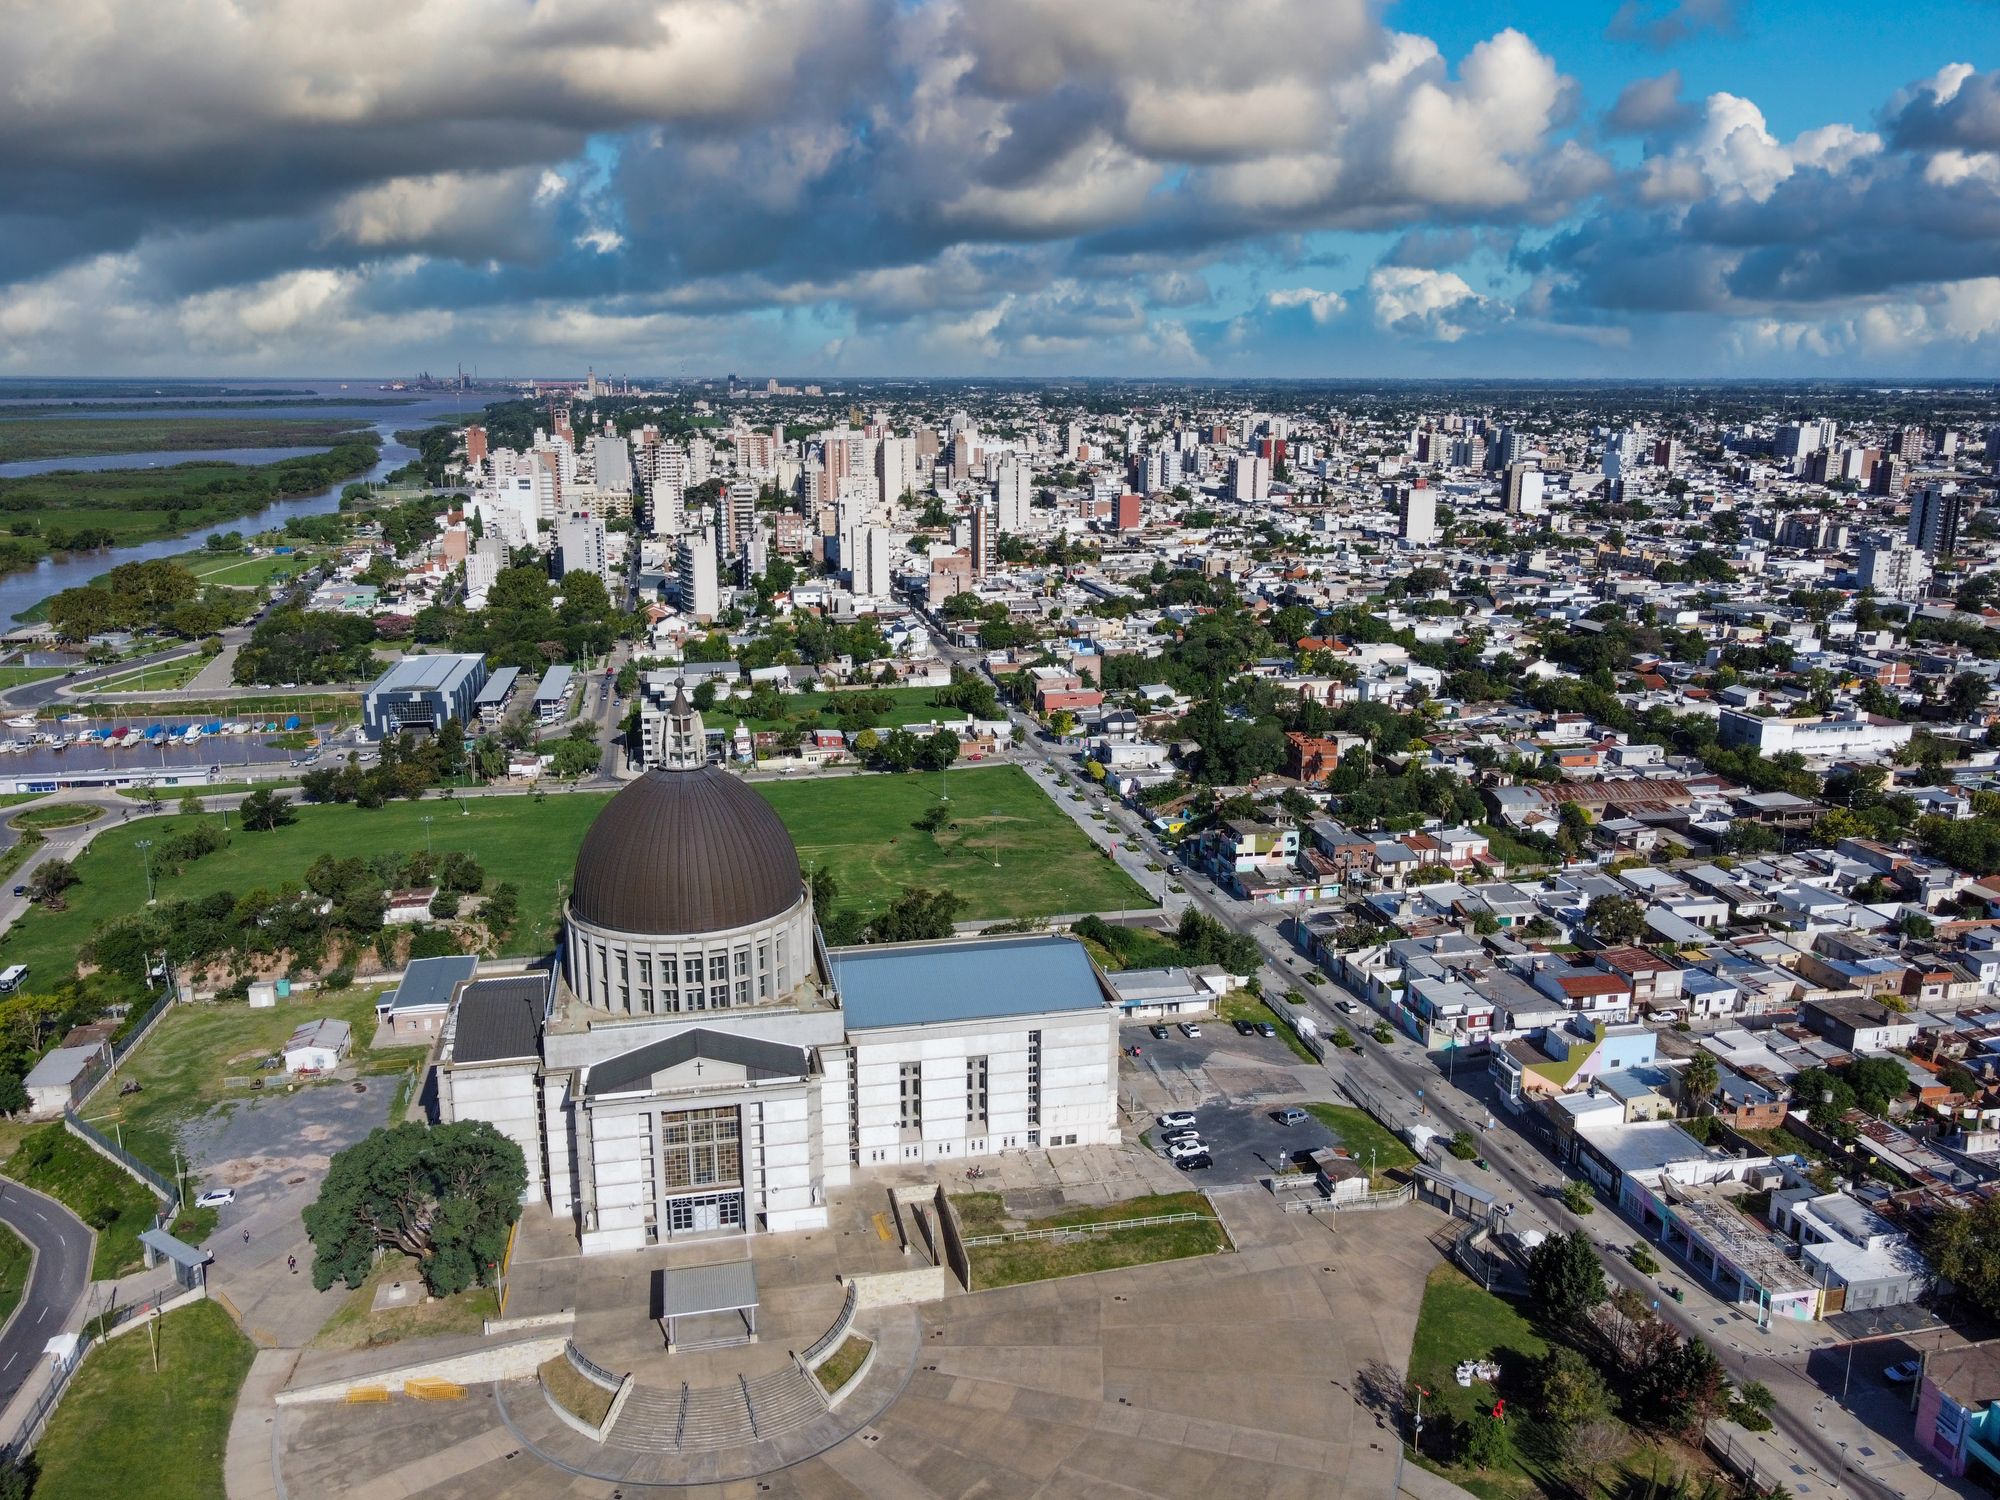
[[964, 981], [430, 981]]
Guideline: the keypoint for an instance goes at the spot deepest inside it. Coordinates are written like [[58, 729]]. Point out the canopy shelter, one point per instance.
[[718, 1305], [190, 1262]]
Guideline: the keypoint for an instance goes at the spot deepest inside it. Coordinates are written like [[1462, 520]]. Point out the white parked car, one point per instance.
[[1178, 1119], [1188, 1028], [216, 1198], [1186, 1146]]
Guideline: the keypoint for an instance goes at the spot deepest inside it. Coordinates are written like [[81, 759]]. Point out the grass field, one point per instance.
[[358, 1326], [844, 1363], [234, 570], [907, 706], [13, 677], [106, 1197], [155, 677], [1018, 1261], [1011, 854], [15, 1263], [1460, 1321], [1242, 1005], [1361, 1133], [123, 1429], [183, 1061], [81, 437]]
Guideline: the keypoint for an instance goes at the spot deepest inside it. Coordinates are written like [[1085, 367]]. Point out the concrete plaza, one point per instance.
[[1233, 1374]]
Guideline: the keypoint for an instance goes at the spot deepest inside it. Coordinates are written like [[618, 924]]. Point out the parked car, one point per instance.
[[1244, 1028], [20, 890], [216, 1198], [1904, 1373], [1189, 1146], [1345, 1007], [1158, 1032], [1292, 1116], [1265, 1029], [1177, 1119], [1200, 1161], [1188, 1028], [1174, 1137]]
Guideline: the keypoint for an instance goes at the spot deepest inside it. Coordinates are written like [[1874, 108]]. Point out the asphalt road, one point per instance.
[[62, 1271]]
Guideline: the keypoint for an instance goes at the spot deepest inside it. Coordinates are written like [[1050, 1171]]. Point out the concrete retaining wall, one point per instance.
[[563, 1319], [506, 1362], [834, 1398], [900, 1288]]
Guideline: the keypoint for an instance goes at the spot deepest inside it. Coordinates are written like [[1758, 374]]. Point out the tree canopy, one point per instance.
[[445, 1195]]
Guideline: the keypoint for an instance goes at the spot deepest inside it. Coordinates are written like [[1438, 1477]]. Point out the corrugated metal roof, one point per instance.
[[430, 981], [963, 981], [499, 1018]]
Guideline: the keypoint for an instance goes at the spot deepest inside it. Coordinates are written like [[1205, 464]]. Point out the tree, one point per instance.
[[445, 1195], [1700, 1081], [1917, 926], [501, 910], [13, 1095], [1616, 919], [1578, 1198], [264, 810], [916, 915], [1565, 1276], [51, 878], [1877, 1082], [1062, 723], [1592, 1445], [1568, 1391]]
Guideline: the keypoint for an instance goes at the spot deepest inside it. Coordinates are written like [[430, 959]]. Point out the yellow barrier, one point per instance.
[[366, 1393], [433, 1390]]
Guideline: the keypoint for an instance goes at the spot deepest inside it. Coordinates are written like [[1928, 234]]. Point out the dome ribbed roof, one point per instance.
[[685, 852]]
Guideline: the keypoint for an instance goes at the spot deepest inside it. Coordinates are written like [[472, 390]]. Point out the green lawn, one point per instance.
[[15, 1263], [106, 1197], [57, 815], [1460, 1321], [1360, 1132], [234, 570], [123, 1429], [182, 1063], [155, 677], [844, 1363], [1011, 854], [356, 1325], [1242, 1005], [13, 677], [1137, 948], [1512, 851], [1039, 1260]]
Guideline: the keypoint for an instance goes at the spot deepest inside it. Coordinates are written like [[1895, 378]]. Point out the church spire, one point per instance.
[[687, 740]]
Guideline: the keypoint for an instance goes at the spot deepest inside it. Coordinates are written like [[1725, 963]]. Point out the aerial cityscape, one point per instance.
[[1000, 748]]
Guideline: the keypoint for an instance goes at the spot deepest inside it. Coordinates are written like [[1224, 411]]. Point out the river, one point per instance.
[[21, 592]]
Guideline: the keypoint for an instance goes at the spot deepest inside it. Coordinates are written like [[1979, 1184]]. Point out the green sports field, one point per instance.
[[1011, 854]]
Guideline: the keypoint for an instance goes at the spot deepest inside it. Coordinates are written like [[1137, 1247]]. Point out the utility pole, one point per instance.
[[145, 847]]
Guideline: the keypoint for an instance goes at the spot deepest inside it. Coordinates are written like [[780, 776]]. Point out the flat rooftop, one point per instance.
[[972, 980]]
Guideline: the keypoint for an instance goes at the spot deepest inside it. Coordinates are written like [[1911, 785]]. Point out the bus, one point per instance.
[[11, 977]]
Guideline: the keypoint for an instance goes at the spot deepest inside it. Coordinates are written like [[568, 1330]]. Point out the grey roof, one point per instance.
[[681, 852], [178, 1251], [691, 1290], [60, 1066], [962, 981], [757, 1058], [418, 674], [430, 981], [500, 1018], [498, 686], [554, 683]]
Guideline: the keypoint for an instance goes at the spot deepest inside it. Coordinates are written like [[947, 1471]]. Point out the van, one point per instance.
[[11, 977], [1292, 1116]]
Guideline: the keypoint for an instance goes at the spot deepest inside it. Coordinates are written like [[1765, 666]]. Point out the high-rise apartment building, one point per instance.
[[1012, 493], [1417, 503], [695, 577], [1935, 512], [1523, 490]]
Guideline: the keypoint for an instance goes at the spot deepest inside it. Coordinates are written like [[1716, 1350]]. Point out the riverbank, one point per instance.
[[119, 508]]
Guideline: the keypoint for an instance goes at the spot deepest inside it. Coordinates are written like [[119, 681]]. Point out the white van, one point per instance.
[[11, 977]]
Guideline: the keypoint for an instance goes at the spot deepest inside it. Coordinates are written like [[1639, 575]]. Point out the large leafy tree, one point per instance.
[[1963, 1247], [445, 1195], [1565, 1276]]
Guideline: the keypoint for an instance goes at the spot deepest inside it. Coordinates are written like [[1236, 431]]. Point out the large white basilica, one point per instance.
[[698, 1062]]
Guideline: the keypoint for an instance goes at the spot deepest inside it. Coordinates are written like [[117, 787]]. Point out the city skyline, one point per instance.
[[1685, 189]]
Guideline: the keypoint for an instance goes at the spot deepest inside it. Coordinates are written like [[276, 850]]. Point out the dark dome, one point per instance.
[[685, 852]]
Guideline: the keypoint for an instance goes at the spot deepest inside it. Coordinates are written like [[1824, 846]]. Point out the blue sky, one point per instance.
[[1159, 187]]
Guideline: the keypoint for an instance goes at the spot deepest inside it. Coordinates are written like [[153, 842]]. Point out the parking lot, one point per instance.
[[1235, 1085]]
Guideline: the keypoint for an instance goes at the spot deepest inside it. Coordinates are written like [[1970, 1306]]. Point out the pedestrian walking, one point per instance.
[[293, 1262], [246, 1236]]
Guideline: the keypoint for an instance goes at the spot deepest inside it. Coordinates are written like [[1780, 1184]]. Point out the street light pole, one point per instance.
[[427, 820], [145, 847]]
